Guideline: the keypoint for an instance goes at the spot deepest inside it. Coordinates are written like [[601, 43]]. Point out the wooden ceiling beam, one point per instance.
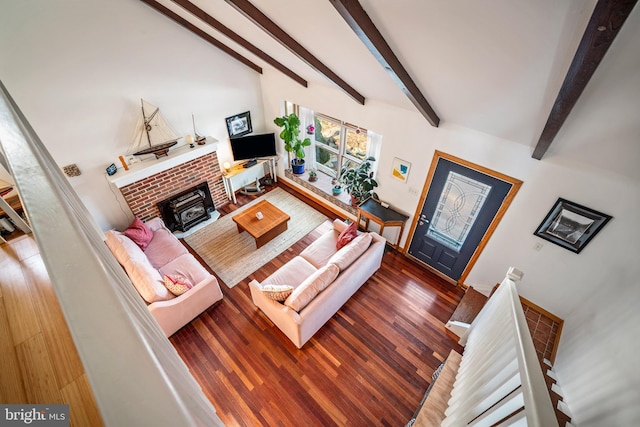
[[603, 27], [219, 26], [197, 31], [261, 20], [365, 29]]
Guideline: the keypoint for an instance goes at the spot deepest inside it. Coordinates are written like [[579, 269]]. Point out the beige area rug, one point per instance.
[[233, 256]]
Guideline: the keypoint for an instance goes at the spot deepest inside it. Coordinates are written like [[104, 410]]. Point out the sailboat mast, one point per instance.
[[146, 124]]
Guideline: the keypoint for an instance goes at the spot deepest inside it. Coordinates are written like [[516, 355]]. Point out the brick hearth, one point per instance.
[[142, 196]]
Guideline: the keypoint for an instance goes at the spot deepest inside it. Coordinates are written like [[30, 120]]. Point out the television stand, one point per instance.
[[250, 163], [238, 176]]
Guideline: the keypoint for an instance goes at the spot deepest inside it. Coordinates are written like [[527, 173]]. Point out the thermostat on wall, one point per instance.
[[112, 169]]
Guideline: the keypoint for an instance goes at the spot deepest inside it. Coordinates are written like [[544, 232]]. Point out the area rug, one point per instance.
[[233, 256]]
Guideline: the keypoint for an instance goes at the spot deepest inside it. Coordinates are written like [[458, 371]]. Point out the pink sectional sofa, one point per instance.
[[163, 256], [329, 277]]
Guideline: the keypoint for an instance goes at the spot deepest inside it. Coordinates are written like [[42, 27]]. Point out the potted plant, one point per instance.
[[313, 175], [292, 143], [359, 182], [337, 189]]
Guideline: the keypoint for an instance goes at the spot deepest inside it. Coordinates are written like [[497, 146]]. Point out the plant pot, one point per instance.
[[313, 178], [297, 166], [336, 190], [355, 201]]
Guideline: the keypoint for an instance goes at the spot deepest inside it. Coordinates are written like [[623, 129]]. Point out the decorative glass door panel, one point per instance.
[[457, 210]]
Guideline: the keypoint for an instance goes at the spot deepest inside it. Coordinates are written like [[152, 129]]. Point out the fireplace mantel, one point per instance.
[[149, 167]]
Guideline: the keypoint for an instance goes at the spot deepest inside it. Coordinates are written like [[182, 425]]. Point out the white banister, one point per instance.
[[137, 377], [500, 379]]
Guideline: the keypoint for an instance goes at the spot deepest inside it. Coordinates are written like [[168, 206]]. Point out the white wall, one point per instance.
[[596, 292], [78, 68], [555, 278]]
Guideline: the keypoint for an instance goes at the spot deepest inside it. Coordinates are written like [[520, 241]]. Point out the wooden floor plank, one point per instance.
[[12, 390], [21, 314], [37, 371], [64, 357], [79, 396]]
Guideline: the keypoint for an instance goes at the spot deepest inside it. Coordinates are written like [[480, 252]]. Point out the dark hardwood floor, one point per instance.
[[370, 364]]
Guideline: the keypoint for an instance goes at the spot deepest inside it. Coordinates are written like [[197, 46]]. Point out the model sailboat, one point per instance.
[[153, 133], [199, 139]]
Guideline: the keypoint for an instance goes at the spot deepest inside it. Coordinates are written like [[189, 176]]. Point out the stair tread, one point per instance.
[[469, 306]]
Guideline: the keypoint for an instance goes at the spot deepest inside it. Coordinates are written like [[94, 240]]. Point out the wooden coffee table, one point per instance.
[[274, 222]]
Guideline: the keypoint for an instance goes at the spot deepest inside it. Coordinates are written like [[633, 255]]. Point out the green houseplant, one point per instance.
[[290, 134], [359, 181]]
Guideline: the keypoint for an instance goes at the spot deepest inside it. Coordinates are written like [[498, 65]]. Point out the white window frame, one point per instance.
[[341, 151]]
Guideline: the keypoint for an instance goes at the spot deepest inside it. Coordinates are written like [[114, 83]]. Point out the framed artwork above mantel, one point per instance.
[[239, 125], [571, 225]]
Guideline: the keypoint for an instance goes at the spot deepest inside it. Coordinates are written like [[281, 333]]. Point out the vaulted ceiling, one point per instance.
[[496, 67]]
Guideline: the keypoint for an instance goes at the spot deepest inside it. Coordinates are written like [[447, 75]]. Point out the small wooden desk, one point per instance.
[[238, 170], [274, 222], [371, 209]]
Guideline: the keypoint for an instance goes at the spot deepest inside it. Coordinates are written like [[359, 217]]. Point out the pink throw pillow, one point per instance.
[[177, 284], [347, 235], [139, 233]]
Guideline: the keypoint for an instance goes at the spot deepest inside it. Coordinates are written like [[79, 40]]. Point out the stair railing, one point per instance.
[[137, 377], [499, 380]]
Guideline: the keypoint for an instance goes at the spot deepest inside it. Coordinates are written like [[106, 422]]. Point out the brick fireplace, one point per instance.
[[143, 186]]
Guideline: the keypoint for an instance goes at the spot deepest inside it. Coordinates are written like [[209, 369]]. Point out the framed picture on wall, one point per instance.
[[571, 225], [400, 169], [239, 125]]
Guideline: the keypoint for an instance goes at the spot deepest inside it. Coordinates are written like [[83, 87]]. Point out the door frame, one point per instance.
[[515, 186]]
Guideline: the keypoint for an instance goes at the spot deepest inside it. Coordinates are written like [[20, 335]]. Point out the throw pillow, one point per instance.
[[277, 292], [312, 286], [348, 254], [177, 284], [347, 235], [139, 233]]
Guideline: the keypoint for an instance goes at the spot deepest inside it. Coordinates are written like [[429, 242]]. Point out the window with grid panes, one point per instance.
[[338, 144]]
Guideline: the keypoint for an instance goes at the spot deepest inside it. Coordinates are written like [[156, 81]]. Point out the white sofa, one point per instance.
[[165, 255], [355, 265]]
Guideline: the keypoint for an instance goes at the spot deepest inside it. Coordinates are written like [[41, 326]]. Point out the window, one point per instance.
[[338, 144]]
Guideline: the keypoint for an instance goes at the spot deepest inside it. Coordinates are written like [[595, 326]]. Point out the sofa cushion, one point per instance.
[[122, 247], [347, 235], [146, 279], [139, 233], [292, 273], [277, 292], [186, 265], [312, 286], [177, 284], [351, 252], [164, 248], [322, 249]]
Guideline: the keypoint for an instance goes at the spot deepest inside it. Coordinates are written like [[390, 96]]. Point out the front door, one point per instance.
[[460, 208]]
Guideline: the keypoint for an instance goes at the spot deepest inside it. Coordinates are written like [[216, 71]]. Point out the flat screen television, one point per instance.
[[252, 147]]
